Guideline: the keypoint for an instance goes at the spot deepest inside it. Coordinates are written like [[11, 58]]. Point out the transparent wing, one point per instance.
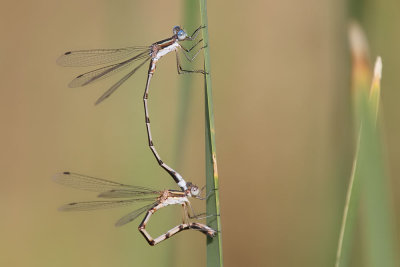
[[104, 72], [103, 186], [95, 205], [119, 83], [84, 58], [126, 193], [133, 215]]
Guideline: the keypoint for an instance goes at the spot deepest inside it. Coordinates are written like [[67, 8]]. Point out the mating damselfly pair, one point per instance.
[[125, 57]]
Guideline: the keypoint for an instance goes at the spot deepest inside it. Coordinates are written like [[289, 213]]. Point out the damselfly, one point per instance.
[[135, 53], [131, 195]]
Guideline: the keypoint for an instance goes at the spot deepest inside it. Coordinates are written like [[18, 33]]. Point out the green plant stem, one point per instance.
[[214, 245], [368, 187]]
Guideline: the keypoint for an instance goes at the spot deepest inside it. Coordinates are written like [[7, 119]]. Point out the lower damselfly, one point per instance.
[[129, 194], [127, 56]]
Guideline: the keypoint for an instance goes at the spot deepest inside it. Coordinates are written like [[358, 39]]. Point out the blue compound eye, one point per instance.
[[176, 29], [182, 35]]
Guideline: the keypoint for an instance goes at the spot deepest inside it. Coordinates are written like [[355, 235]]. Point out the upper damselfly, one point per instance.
[[126, 57]]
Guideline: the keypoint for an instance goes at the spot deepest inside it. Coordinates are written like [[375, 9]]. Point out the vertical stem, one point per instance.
[[214, 245]]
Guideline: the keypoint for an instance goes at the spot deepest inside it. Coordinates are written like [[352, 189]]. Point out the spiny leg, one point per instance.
[[183, 71], [189, 58], [193, 214], [210, 193], [190, 49], [196, 32], [185, 214], [199, 226]]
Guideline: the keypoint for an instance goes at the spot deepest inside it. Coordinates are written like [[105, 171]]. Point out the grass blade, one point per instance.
[[378, 230], [214, 245], [361, 76], [368, 183]]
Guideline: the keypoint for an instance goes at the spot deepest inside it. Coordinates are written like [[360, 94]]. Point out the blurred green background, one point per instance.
[[280, 73]]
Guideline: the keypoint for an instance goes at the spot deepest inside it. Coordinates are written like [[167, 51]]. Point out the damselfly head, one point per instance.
[[194, 190], [180, 34]]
